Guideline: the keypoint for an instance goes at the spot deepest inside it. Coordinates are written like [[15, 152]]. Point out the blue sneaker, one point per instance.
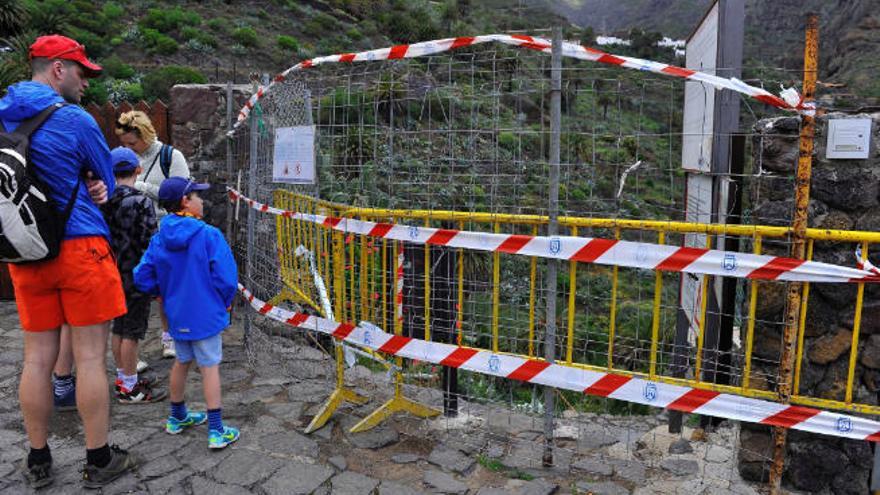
[[175, 426], [220, 439], [67, 401]]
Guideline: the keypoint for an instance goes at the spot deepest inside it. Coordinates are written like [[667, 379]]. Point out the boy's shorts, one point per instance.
[[207, 352], [133, 324], [80, 287]]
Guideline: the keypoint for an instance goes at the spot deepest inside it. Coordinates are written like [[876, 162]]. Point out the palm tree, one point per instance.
[[12, 17]]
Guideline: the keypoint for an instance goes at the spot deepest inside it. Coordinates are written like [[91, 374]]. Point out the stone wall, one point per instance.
[[198, 130], [843, 195]]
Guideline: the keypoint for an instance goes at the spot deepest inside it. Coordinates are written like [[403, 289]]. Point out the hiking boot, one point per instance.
[[65, 402], [142, 393], [175, 426], [120, 463], [168, 349], [220, 439], [38, 475], [142, 366]]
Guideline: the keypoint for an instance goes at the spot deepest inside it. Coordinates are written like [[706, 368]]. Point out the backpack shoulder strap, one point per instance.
[[27, 127], [165, 154]]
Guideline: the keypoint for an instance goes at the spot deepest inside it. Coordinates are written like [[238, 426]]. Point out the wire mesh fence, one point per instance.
[[410, 141]]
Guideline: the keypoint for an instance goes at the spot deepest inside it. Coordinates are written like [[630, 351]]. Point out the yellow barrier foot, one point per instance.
[[338, 396], [386, 410]]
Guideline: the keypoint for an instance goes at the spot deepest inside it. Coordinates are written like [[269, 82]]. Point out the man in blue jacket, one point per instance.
[[81, 287], [190, 265]]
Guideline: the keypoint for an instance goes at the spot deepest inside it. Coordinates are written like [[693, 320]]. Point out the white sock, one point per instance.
[[166, 336], [128, 382], [119, 374]]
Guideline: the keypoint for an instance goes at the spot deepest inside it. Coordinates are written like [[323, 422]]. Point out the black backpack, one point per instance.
[[31, 228]]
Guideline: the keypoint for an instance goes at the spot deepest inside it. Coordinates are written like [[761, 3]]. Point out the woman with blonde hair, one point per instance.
[[159, 161]]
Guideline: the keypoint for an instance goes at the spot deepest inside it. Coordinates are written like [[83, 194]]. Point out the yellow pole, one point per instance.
[[385, 320], [612, 323], [805, 298], [704, 295], [750, 326], [857, 325], [799, 231], [427, 287], [655, 324], [364, 279], [459, 321], [496, 291], [533, 276], [572, 289], [351, 304]]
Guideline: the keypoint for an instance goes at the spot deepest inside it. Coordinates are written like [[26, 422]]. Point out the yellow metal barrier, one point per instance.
[[362, 298]]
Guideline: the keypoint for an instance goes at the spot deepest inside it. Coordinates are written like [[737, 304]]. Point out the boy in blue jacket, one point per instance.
[[190, 265]]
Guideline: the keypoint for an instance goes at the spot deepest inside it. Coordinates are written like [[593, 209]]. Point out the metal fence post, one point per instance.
[[552, 230], [251, 214], [230, 236], [799, 228]]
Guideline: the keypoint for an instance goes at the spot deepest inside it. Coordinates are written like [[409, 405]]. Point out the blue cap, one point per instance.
[[175, 188], [124, 160]]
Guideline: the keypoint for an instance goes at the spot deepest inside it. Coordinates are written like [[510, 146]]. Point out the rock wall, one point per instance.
[[198, 130], [843, 195]]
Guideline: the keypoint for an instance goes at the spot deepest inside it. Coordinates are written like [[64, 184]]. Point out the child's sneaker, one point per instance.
[[175, 426], [168, 349], [65, 402], [140, 394], [142, 366], [220, 439]]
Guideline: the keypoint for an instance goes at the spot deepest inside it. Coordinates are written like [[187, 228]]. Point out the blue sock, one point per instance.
[[178, 411], [215, 419]]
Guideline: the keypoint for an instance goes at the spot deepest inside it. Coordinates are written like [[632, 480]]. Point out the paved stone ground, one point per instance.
[[487, 450]]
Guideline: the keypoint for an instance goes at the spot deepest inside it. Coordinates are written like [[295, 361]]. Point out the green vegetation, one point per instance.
[[496, 466], [167, 20], [245, 36], [287, 43], [158, 43], [157, 83]]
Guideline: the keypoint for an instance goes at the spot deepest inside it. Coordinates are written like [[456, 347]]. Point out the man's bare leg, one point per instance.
[[92, 398], [35, 389], [64, 363]]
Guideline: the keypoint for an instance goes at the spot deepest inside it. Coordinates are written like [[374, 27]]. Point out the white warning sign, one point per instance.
[[293, 160]]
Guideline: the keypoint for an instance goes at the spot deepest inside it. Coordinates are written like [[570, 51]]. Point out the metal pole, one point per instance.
[[798, 248], [251, 218], [552, 230], [230, 236]]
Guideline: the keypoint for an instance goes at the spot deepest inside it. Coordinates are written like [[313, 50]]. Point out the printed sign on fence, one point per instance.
[[293, 161]]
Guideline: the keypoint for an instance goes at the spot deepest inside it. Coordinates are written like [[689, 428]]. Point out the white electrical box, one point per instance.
[[848, 138]]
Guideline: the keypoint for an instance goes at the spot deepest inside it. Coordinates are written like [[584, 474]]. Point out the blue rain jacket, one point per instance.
[[67, 145], [190, 265]]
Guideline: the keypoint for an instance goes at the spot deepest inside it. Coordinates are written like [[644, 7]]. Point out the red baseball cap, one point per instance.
[[57, 46]]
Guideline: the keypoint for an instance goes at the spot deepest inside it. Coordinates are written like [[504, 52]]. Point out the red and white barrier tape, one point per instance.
[[595, 250], [630, 389], [398, 290], [788, 100]]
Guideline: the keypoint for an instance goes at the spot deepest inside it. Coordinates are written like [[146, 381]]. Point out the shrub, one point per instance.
[[96, 93], [245, 36], [205, 38], [167, 20], [156, 84], [220, 25], [354, 34], [116, 68], [156, 42], [288, 42], [112, 11]]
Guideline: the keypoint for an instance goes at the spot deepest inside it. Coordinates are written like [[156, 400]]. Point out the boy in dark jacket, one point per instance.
[[190, 265], [132, 220]]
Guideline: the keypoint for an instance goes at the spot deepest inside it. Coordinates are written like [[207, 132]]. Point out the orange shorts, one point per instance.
[[80, 287]]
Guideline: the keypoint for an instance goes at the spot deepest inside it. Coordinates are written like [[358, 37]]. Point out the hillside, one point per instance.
[[849, 33], [222, 40]]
